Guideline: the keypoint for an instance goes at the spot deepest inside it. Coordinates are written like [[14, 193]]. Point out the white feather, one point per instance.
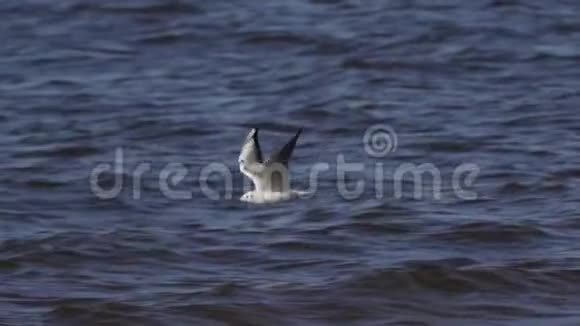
[[271, 179]]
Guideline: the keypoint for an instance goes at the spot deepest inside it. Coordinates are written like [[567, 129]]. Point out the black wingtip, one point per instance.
[[292, 142], [297, 135], [258, 149], [283, 156], [295, 138]]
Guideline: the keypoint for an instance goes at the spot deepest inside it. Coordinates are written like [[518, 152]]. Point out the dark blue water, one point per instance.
[[495, 84]]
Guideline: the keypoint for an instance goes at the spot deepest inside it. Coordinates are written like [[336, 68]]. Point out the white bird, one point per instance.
[[270, 178]]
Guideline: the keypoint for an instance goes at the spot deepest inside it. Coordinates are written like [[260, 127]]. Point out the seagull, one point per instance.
[[270, 178]]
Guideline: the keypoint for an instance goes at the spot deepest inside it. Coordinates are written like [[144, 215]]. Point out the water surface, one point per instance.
[[491, 83]]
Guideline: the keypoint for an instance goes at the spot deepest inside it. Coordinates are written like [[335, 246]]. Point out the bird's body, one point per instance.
[[270, 178]]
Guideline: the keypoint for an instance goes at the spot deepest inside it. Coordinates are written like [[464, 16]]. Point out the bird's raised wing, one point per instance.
[[272, 175], [251, 152], [276, 167], [284, 154], [250, 160]]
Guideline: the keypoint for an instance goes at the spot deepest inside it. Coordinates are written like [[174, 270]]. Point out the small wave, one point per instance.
[[313, 113], [323, 45], [375, 228], [75, 248], [43, 184], [489, 233], [247, 313], [519, 188], [187, 131], [505, 4], [455, 146], [310, 246], [568, 173], [8, 264], [81, 311], [561, 51], [524, 120], [228, 255], [73, 151], [156, 8], [513, 187], [164, 38], [366, 64], [274, 38], [571, 223], [463, 275]]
